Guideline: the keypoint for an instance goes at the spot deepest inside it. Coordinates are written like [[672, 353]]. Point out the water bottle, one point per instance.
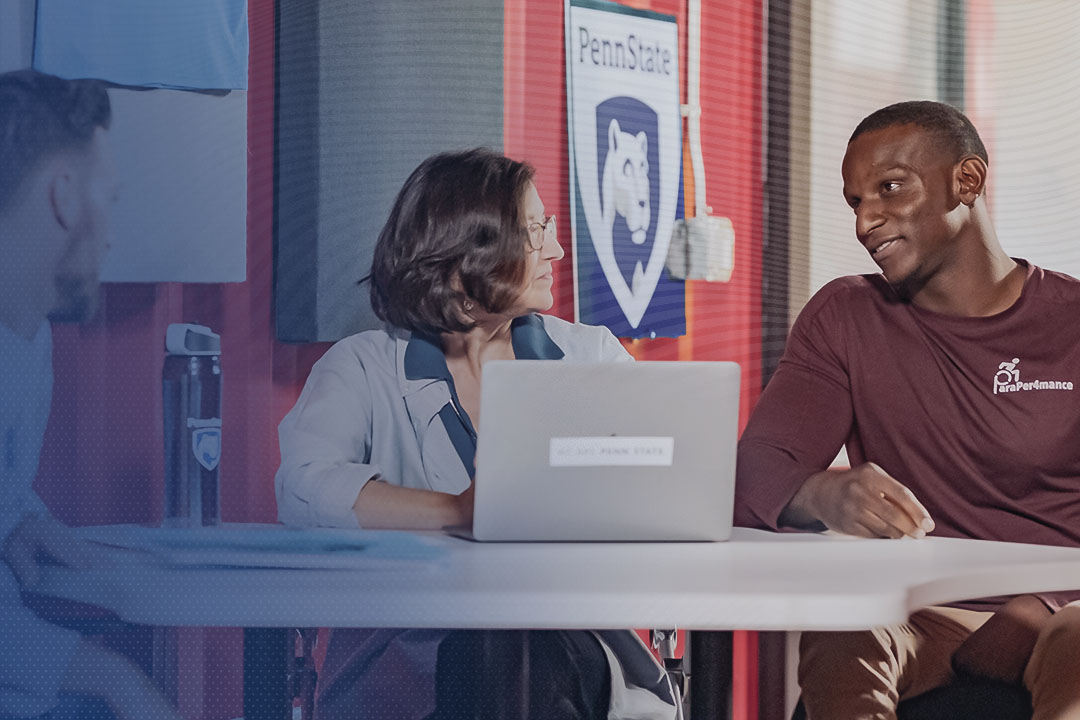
[[191, 389]]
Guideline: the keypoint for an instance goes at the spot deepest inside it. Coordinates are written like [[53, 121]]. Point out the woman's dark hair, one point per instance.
[[41, 114], [456, 233]]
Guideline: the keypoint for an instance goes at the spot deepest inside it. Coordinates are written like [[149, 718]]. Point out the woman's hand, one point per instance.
[[389, 507], [465, 507]]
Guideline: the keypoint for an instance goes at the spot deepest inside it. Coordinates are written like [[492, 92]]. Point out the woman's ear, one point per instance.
[[970, 178], [64, 196]]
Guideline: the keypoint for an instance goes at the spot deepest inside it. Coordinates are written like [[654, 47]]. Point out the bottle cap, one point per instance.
[[190, 339]]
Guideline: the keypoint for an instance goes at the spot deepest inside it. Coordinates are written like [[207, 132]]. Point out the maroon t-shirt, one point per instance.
[[979, 417]]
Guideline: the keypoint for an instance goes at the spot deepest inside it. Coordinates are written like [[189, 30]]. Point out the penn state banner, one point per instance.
[[622, 79]]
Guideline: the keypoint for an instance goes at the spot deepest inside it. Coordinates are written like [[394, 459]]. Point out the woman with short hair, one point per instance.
[[384, 436]]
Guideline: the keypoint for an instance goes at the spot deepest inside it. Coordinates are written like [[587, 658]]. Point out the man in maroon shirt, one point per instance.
[[950, 378]]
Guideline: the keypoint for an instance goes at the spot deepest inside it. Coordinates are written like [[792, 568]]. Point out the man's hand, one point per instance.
[[863, 501], [41, 539]]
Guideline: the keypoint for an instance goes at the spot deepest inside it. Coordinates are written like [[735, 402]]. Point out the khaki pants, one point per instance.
[[863, 675]]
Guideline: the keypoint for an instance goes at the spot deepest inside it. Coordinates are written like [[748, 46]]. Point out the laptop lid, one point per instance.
[[606, 451]]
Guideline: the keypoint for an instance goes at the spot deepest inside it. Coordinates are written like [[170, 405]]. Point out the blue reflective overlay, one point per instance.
[[258, 545], [194, 44]]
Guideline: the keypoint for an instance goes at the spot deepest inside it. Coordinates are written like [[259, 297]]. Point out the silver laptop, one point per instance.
[[628, 451]]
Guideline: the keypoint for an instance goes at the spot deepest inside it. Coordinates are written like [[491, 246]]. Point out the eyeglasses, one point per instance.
[[539, 232]]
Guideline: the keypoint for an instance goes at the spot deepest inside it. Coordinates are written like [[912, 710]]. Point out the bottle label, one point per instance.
[[206, 445], [206, 440]]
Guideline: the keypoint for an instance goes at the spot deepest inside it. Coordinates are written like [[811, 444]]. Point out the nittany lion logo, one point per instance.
[[626, 145], [625, 185], [625, 199], [206, 446]]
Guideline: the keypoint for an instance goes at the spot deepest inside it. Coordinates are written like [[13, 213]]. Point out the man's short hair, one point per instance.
[[951, 127], [41, 115], [456, 232]]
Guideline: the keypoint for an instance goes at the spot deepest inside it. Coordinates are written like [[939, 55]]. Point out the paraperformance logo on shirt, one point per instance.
[[1007, 380]]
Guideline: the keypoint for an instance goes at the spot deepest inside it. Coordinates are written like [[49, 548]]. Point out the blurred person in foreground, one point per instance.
[[384, 435], [953, 377], [56, 191]]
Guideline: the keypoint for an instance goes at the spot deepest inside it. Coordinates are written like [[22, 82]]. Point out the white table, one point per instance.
[[757, 581]]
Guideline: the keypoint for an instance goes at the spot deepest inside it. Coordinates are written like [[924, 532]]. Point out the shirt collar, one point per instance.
[[531, 341], [424, 358]]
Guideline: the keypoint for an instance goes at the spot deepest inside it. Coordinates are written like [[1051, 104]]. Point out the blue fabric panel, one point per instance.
[[180, 44], [461, 437], [531, 341]]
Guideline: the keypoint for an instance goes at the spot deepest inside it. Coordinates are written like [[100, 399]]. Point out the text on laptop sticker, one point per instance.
[[611, 451]]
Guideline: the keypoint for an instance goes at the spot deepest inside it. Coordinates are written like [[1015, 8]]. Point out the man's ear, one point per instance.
[[64, 196], [970, 179]]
